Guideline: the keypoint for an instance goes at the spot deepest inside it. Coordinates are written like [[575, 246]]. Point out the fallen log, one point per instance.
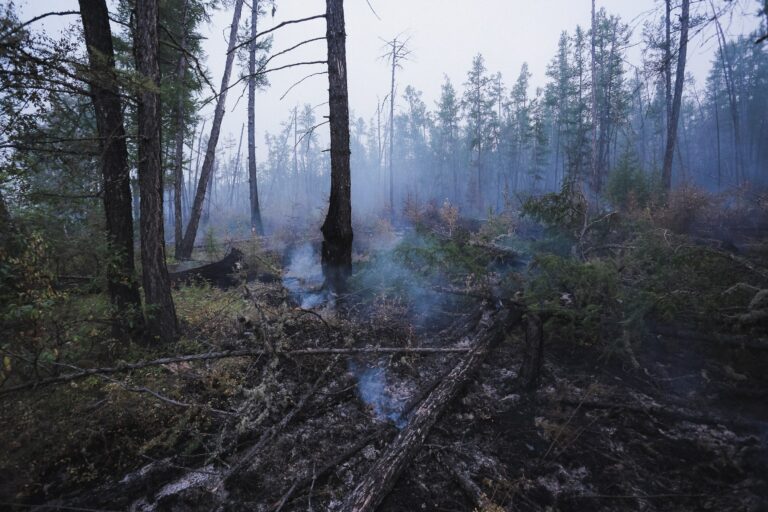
[[219, 273], [304, 482], [380, 478], [208, 356]]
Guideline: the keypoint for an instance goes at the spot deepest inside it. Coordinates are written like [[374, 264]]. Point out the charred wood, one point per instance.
[[382, 476]]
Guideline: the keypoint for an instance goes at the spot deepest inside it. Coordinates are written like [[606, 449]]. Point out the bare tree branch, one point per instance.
[[283, 24], [300, 81], [38, 18], [226, 354]]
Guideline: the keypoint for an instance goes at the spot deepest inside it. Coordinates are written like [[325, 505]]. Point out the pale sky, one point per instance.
[[444, 37]]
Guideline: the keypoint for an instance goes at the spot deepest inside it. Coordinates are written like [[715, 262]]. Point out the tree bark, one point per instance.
[[256, 225], [594, 165], [121, 272], [337, 228], [392, 133], [8, 232], [533, 353], [668, 61], [666, 174], [188, 241], [732, 99], [386, 470], [178, 171], [161, 313]]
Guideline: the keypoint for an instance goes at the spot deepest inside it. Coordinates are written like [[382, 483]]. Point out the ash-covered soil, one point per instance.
[[685, 431]]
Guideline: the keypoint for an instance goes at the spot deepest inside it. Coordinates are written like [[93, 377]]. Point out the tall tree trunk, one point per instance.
[[666, 173], [668, 63], [178, 171], [188, 241], [392, 133], [197, 161], [337, 228], [732, 99], [121, 273], [594, 164], [295, 180], [236, 171], [717, 135], [161, 313], [256, 224]]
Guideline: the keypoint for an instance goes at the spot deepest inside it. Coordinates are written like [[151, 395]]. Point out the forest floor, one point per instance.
[[663, 410]]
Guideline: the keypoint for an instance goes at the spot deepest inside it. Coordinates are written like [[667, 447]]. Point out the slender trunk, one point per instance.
[[668, 63], [256, 225], [595, 170], [121, 273], [178, 174], [666, 175], [392, 133], [337, 228], [206, 215], [717, 135], [296, 180], [731, 89], [197, 158], [236, 172], [161, 313], [188, 241]]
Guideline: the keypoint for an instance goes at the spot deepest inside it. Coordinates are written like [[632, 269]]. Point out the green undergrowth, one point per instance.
[[611, 277], [72, 435], [420, 263]]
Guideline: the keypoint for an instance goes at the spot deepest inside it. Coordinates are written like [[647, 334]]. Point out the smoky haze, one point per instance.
[[444, 36]]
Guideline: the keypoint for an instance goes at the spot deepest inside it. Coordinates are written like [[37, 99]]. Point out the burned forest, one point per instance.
[[383, 255]]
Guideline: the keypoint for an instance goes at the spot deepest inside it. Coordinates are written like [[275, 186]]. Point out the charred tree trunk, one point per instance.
[[533, 353], [121, 273], [666, 174], [337, 228], [386, 470], [178, 163], [188, 242], [161, 313], [256, 226]]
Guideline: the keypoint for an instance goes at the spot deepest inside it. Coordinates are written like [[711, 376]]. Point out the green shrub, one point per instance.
[[629, 188]]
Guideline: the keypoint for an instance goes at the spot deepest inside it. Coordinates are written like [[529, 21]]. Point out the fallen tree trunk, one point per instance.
[[219, 273], [208, 356], [380, 478], [326, 468]]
